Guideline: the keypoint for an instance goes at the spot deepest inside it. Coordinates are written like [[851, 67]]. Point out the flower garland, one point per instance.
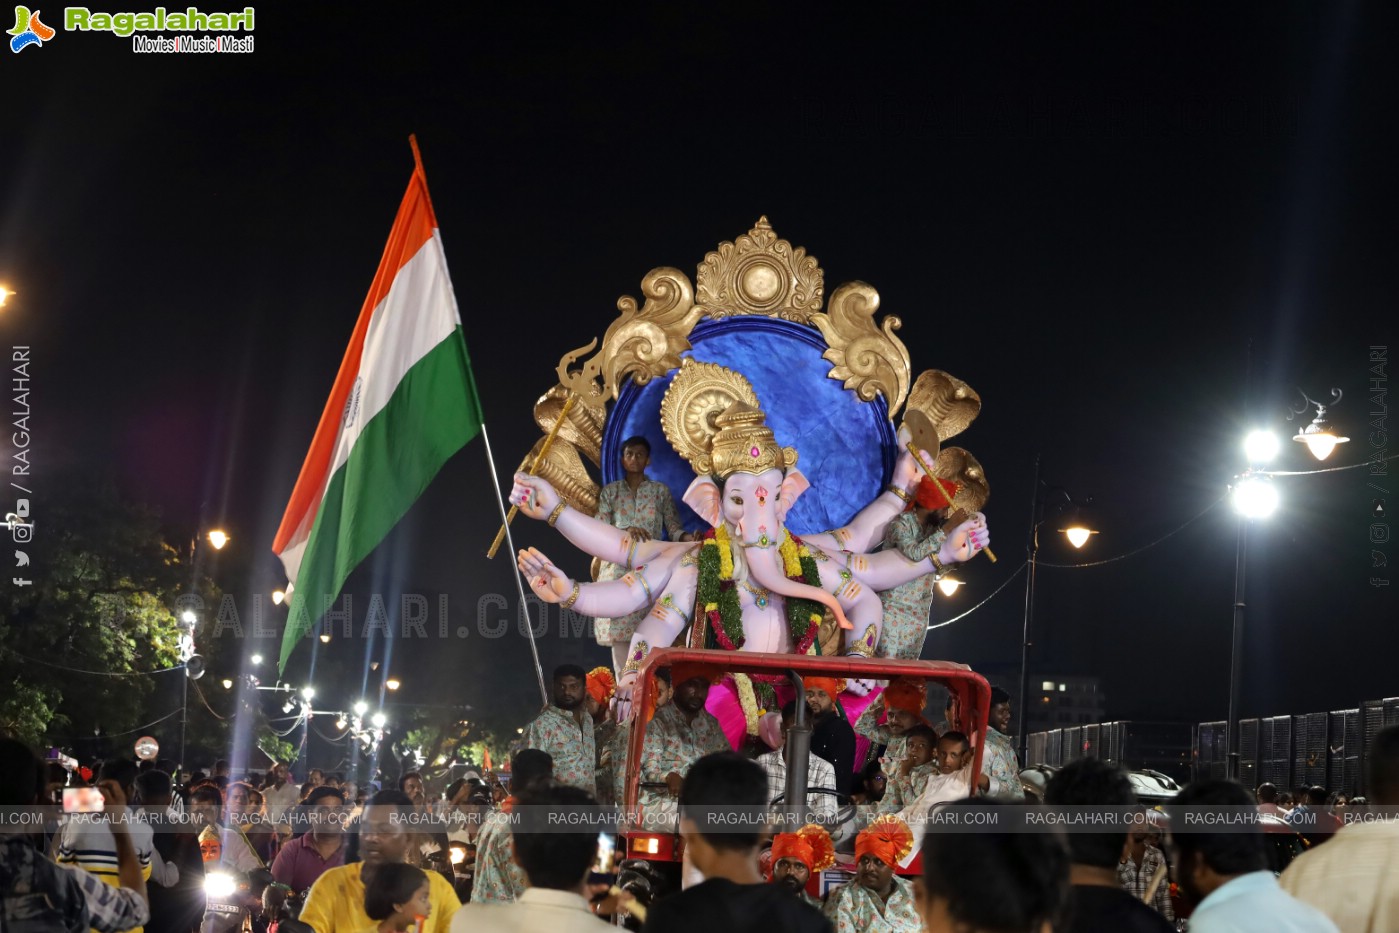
[[719, 596]]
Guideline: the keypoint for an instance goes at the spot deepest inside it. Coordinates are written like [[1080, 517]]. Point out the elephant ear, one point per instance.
[[704, 496], [793, 485]]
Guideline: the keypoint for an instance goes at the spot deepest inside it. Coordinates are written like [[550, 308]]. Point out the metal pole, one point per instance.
[[519, 576], [184, 714], [797, 750], [1236, 653], [1032, 547]]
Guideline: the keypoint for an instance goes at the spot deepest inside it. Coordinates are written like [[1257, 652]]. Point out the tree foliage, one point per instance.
[[80, 649]]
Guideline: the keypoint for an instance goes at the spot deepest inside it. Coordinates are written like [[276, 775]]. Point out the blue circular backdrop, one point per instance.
[[845, 447]]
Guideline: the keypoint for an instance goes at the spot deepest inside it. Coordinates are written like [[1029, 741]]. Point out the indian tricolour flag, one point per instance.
[[403, 402]]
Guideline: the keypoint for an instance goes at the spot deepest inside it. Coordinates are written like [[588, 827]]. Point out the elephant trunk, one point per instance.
[[764, 571]]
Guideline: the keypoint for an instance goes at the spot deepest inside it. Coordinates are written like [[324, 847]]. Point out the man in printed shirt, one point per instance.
[[565, 731], [916, 535], [681, 733], [819, 774], [877, 900], [90, 845], [902, 701], [36, 895], [499, 878], [998, 759], [601, 686], [642, 508]]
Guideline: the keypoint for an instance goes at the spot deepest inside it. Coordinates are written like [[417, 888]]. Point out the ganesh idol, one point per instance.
[[749, 584]]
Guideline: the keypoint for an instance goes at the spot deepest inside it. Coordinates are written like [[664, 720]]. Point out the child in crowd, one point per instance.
[[397, 897], [911, 776]]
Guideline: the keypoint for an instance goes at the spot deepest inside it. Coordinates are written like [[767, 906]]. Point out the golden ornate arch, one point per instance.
[[757, 273]]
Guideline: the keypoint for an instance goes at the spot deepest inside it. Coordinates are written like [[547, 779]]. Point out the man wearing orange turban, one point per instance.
[[795, 856], [916, 534], [600, 686], [903, 701], [877, 900], [831, 735]]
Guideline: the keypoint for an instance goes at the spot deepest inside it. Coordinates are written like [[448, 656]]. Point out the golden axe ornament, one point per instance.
[[749, 583]]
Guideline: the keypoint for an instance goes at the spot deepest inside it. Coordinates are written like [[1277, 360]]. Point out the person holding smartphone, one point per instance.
[[35, 889]]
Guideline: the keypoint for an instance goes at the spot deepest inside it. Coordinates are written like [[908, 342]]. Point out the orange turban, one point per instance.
[[887, 839], [682, 671], [811, 845], [601, 685], [934, 496], [908, 695], [831, 685]]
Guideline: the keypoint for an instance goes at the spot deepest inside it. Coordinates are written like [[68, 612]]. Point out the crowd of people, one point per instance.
[[333, 857]]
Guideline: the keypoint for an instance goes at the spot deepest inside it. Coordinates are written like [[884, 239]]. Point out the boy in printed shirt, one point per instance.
[[911, 776]]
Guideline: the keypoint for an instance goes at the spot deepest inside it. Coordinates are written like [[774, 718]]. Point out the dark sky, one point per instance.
[[1088, 217]]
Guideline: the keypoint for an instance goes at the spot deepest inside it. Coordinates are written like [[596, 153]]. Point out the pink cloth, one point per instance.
[[724, 706]]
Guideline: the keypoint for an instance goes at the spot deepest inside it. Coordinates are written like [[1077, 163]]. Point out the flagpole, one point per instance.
[[519, 574]]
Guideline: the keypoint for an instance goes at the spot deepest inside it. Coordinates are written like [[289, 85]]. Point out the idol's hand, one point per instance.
[[907, 472], [533, 494], [548, 582], [965, 540], [859, 686]]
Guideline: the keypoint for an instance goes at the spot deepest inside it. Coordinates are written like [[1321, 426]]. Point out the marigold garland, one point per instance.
[[719, 596]]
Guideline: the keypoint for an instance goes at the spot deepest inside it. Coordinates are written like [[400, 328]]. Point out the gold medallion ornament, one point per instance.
[[760, 274]]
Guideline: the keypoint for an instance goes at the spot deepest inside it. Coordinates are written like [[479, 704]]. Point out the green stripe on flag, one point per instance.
[[433, 412]]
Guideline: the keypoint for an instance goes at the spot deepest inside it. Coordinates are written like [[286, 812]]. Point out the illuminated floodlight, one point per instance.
[[1255, 497], [1261, 446]]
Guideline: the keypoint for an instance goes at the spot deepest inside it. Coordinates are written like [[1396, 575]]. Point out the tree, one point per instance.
[[87, 646]]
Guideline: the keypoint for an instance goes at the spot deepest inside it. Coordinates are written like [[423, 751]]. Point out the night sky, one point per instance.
[[1090, 218]]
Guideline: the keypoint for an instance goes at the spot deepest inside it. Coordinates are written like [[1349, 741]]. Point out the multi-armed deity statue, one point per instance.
[[789, 560]]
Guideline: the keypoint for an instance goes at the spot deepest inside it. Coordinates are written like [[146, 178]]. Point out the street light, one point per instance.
[[378, 719], [949, 586], [218, 538], [325, 638], [256, 659], [309, 693], [1041, 500], [393, 683], [1254, 497], [227, 684], [1260, 446], [278, 596], [361, 708], [1318, 437]]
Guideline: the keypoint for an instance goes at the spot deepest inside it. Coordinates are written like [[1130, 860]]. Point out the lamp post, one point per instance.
[[1254, 497], [1078, 534]]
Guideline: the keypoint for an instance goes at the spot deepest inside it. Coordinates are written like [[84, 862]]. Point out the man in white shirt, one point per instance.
[[557, 866], [1224, 871], [1354, 878], [820, 776], [279, 795]]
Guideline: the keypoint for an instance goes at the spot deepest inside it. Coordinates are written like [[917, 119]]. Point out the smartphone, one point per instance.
[[605, 866], [82, 800]]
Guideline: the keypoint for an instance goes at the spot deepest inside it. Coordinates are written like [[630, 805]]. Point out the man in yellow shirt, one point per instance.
[[336, 901]]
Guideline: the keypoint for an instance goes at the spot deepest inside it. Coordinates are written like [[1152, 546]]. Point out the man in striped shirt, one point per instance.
[[90, 845]]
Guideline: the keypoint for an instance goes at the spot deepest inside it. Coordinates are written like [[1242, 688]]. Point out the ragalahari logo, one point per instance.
[[29, 30]]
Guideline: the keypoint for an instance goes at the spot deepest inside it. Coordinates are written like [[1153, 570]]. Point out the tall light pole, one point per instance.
[[1078, 534], [1254, 497]]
